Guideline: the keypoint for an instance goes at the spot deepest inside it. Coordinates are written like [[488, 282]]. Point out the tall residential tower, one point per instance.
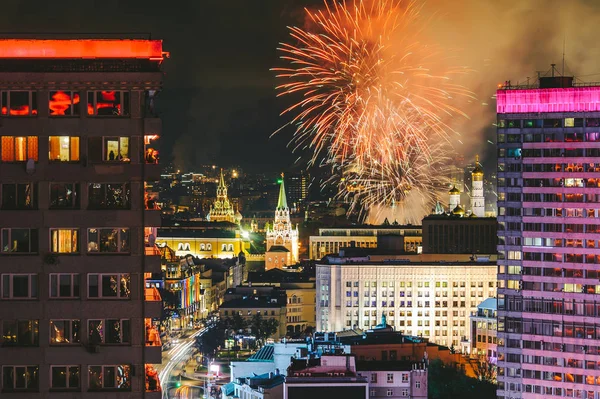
[[549, 235], [77, 123]]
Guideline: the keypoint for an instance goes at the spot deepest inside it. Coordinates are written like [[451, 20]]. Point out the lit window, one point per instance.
[[109, 286], [19, 196], [390, 392], [64, 377], [63, 103], [19, 286], [19, 103], [20, 333], [109, 331], [116, 149], [64, 241], [19, 148], [390, 377], [16, 378], [64, 332], [64, 285], [108, 240], [110, 377], [64, 195], [63, 148], [108, 103], [19, 240]]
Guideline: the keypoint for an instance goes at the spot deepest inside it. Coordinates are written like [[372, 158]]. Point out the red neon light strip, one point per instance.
[[23, 48]]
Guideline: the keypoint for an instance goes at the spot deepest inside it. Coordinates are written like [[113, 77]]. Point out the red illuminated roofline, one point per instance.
[[84, 48]]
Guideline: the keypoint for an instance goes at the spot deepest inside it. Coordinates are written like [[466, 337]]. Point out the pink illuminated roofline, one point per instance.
[[81, 48], [572, 99]]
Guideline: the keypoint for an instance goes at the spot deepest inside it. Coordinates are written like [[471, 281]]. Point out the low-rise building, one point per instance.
[[258, 386], [394, 379], [449, 233], [300, 291], [249, 307], [332, 239], [325, 377], [484, 326]]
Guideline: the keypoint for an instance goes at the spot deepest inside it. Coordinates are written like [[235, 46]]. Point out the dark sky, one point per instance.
[[219, 106], [218, 103]]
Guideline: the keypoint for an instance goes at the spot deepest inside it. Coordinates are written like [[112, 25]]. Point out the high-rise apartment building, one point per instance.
[[77, 124], [549, 235]]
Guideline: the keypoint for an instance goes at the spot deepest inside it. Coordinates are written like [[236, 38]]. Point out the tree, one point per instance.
[[485, 371], [262, 328], [448, 382]]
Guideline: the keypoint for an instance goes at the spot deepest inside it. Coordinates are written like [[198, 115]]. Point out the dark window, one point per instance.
[[19, 103], [19, 196], [108, 196], [19, 240], [20, 332], [20, 378], [64, 196], [65, 377]]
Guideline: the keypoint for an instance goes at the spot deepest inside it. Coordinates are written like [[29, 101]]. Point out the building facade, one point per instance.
[[484, 328], [332, 239], [394, 379], [282, 239], [451, 234], [548, 201], [427, 296], [77, 129]]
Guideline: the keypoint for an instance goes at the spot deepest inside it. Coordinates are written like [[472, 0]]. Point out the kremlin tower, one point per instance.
[[222, 210], [282, 238]]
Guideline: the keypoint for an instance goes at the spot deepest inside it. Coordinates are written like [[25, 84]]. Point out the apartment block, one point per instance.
[[77, 143]]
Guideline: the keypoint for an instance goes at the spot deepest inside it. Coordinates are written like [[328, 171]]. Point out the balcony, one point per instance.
[[153, 303], [153, 259], [153, 389], [153, 346]]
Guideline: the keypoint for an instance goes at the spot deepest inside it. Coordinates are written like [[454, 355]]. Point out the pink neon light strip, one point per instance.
[[576, 99]]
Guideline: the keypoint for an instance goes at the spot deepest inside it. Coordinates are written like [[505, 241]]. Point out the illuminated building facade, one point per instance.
[[484, 328], [548, 202], [282, 239], [332, 239], [77, 238], [477, 198], [423, 295]]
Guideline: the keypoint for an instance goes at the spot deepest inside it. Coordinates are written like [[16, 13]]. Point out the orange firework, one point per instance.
[[373, 100]]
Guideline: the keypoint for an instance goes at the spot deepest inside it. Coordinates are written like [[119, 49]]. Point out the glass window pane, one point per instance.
[[20, 286], [95, 377], [109, 286], [8, 377], [74, 377], [19, 103], [59, 377]]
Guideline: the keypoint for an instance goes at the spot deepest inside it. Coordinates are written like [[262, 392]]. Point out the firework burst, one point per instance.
[[373, 102]]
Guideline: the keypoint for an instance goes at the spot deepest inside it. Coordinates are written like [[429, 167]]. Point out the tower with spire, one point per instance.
[[282, 238], [477, 198], [222, 210]]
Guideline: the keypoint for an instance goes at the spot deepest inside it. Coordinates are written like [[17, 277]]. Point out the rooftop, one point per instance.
[[81, 48], [490, 303], [252, 303], [264, 354], [379, 365]]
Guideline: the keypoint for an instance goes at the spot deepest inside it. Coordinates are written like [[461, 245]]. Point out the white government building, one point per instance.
[[429, 295]]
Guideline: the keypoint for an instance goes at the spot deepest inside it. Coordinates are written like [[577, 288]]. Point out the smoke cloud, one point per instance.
[[511, 40]]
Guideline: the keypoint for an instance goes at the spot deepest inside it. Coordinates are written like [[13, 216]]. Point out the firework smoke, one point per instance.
[[374, 102]]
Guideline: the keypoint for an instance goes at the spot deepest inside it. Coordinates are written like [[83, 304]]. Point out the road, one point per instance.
[[173, 359]]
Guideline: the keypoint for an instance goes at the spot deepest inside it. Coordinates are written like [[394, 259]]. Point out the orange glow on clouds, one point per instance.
[[26, 48]]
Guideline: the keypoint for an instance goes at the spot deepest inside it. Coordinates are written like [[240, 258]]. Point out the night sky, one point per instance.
[[218, 104]]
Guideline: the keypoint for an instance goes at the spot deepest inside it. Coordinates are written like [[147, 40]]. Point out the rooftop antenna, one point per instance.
[[563, 60]]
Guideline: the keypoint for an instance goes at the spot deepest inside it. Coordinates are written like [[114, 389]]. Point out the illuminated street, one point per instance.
[[172, 361]]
